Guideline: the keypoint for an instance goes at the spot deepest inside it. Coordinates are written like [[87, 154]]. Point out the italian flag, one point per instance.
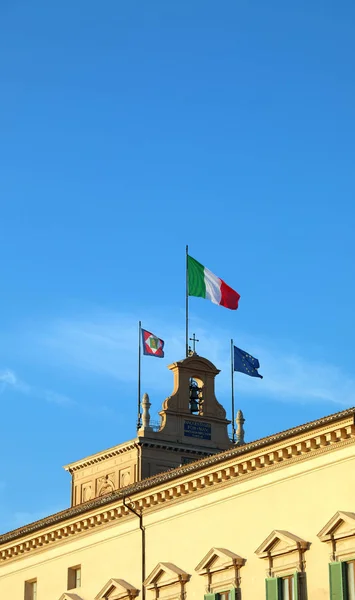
[[204, 284]]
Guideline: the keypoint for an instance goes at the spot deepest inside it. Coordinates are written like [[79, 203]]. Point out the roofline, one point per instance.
[[168, 476], [98, 456]]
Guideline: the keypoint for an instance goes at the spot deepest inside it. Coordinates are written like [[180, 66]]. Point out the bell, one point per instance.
[[194, 407], [194, 398]]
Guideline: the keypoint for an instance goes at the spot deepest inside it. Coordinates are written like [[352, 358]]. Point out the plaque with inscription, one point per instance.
[[197, 429]]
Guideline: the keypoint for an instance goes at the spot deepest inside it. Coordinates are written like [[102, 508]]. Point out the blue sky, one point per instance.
[[129, 129]]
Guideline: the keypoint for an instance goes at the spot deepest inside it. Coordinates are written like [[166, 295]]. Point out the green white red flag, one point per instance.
[[204, 284]]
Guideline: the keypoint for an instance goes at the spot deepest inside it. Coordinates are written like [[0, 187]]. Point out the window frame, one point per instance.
[[348, 563], [291, 587], [274, 586], [31, 589], [73, 577], [232, 593], [224, 595]]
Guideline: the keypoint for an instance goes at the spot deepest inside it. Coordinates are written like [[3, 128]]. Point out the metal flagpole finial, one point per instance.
[[193, 339]]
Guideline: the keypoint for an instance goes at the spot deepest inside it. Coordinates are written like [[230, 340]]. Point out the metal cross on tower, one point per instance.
[[193, 339]]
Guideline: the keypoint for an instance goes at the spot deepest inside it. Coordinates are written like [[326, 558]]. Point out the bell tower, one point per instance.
[[192, 414], [192, 421], [192, 425]]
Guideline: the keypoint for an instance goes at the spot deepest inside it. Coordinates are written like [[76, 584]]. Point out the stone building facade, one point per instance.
[[182, 437], [272, 519]]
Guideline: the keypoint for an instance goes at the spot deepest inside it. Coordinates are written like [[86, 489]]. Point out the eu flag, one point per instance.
[[246, 363]]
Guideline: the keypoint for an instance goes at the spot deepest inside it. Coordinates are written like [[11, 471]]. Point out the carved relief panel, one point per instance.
[[105, 484], [125, 477], [87, 491]]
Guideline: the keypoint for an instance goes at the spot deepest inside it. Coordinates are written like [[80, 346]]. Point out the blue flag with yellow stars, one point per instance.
[[246, 363]]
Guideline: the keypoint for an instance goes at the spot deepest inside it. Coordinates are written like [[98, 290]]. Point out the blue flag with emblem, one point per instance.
[[245, 363]]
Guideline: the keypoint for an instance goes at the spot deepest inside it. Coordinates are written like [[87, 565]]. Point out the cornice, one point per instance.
[[330, 533], [139, 441], [195, 361], [100, 456], [175, 574], [121, 590], [176, 447], [292, 542], [218, 559], [229, 467]]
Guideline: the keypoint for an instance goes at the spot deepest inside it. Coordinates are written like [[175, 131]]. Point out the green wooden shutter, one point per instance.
[[210, 596], [235, 594], [337, 581], [296, 586], [273, 588]]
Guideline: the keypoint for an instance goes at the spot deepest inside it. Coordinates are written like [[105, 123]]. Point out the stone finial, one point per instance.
[[145, 412], [240, 429]]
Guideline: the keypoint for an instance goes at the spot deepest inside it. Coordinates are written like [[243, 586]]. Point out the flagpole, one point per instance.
[[139, 374], [187, 305], [232, 386]]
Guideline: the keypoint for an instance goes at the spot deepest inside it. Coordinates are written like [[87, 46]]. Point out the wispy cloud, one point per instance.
[[9, 380], [105, 344]]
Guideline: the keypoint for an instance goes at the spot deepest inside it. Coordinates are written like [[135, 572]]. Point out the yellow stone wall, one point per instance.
[[238, 515], [155, 451]]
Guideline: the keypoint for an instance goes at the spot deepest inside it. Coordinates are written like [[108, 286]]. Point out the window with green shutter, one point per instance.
[[273, 588], [233, 594], [210, 596], [224, 595], [342, 580], [350, 579], [284, 588]]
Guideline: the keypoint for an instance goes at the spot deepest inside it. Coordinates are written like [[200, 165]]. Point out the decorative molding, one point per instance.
[[69, 596], [330, 530], [226, 468], [221, 568], [100, 456], [105, 485], [167, 581], [339, 533], [210, 563], [178, 448], [284, 552], [195, 362], [117, 589], [271, 546], [174, 573], [115, 451]]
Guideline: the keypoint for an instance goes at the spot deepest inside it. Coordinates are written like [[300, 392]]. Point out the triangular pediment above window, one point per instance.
[[116, 589], [70, 596], [219, 559], [165, 574], [341, 525], [281, 542]]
